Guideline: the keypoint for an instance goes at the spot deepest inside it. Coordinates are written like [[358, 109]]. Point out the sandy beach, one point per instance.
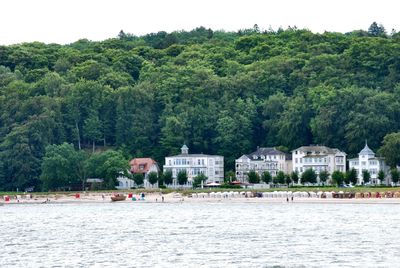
[[178, 198]]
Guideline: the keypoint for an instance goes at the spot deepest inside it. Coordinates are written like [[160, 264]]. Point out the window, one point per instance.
[[295, 160]]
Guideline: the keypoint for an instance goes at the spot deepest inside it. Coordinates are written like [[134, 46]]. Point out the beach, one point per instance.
[[179, 198]]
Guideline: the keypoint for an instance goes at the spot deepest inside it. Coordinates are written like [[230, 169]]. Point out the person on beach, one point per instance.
[[162, 199], [102, 196], [292, 198], [287, 199]]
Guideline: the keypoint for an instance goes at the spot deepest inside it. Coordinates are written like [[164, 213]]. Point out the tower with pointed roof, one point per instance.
[[368, 161], [366, 151], [212, 166], [184, 149]]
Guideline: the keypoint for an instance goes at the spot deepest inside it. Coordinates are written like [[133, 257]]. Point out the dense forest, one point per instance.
[[219, 92]]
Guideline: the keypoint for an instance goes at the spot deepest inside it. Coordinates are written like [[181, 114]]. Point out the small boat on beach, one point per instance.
[[118, 197]]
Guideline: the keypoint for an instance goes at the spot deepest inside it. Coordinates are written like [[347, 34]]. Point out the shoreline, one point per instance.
[[174, 198]]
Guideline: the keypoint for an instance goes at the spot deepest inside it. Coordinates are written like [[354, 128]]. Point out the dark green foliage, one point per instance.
[[107, 165], [366, 176], [295, 177], [376, 30], [394, 173], [281, 177], [182, 177], [152, 177], [309, 176], [337, 177], [266, 177], [220, 92], [288, 179], [381, 176], [167, 177], [198, 179], [253, 177], [391, 149], [138, 178], [62, 167], [323, 176], [351, 176]]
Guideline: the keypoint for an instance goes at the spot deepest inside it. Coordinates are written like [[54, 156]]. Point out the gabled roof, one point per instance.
[[318, 148], [141, 165], [265, 151]]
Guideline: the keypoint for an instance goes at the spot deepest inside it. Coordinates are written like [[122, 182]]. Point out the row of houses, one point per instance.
[[316, 157]]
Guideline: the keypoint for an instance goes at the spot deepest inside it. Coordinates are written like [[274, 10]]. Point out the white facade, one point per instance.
[[367, 161], [212, 166], [124, 183], [262, 160], [318, 158]]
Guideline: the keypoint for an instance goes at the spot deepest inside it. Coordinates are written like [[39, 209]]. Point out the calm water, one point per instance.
[[200, 235]]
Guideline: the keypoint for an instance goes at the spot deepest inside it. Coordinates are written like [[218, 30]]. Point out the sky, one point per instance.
[[66, 21]]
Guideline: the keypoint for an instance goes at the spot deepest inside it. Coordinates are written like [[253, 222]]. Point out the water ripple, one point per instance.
[[200, 235]]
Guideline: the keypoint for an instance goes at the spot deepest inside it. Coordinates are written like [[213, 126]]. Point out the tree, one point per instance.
[[394, 173], [280, 176], [182, 177], [295, 176], [366, 176], [229, 176], [351, 176], [152, 177], [288, 179], [381, 176], [253, 177], [138, 178], [62, 167], [376, 30], [92, 129], [323, 176], [108, 165], [309, 176], [198, 179], [266, 177], [391, 149], [337, 177], [167, 177]]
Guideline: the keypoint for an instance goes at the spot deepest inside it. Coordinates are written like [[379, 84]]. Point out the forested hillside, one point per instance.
[[218, 92]]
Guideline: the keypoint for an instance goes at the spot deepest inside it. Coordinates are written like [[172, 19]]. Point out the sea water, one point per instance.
[[200, 235]]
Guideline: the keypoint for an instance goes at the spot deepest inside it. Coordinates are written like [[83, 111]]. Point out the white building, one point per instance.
[[263, 159], [367, 161], [124, 183], [145, 166], [318, 158], [212, 166]]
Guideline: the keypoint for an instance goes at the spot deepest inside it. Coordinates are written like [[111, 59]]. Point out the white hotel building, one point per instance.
[[367, 161], [263, 159], [318, 158], [211, 166]]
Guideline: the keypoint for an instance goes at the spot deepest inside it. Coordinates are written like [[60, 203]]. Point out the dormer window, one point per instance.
[[141, 166]]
